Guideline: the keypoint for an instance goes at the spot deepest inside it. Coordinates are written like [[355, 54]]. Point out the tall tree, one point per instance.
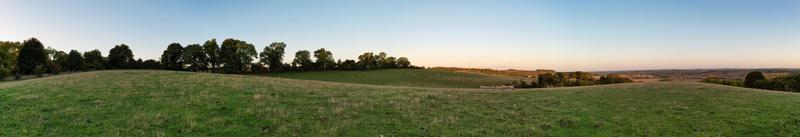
[[171, 58], [403, 62], [324, 59], [390, 62], [74, 61], [753, 77], [379, 59], [120, 57], [211, 49], [31, 55], [236, 55], [8, 55], [194, 56], [367, 61], [272, 56], [94, 60], [302, 59]]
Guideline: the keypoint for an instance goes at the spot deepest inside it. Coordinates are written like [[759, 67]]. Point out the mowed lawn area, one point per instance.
[[403, 77], [170, 103]]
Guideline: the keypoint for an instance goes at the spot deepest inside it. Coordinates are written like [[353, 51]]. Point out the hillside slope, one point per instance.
[[167, 103], [404, 77]]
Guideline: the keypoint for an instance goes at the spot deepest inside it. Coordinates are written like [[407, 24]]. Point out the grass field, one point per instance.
[[168, 103], [403, 77]]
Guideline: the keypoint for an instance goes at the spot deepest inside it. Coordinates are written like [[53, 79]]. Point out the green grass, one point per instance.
[[167, 103], [403, 77]]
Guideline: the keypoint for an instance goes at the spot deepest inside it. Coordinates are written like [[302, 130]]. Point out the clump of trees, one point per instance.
[[569, 79], [757, 80], [722, 81], [231, 56], [238, 56], [784, 83]]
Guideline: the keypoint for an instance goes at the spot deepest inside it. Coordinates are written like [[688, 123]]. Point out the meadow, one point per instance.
[[171, 103]]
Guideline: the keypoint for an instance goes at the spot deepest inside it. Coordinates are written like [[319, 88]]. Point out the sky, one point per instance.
[[565, 35]]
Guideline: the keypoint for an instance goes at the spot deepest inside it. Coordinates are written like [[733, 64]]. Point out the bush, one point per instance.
[[4, 72], [39, 70]]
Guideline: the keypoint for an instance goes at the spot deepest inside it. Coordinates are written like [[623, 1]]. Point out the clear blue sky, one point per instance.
[[527, 34]]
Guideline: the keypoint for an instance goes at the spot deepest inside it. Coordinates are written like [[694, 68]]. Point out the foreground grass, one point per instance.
[[403, 77], [166, 103]]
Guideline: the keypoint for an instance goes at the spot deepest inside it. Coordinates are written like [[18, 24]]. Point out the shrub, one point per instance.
[[39, 70], [4, 72]]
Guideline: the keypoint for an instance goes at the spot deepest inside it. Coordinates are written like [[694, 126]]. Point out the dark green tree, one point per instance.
[[272, 56], [94, 60], [172, 57], [120, 57], [211, 49], [752, 77], [31, 55], [74, 61], [403, 62], [324, 59], [379, 59], [8, 57], [195, 57], [367, 61], [302, 59], [236, 55]]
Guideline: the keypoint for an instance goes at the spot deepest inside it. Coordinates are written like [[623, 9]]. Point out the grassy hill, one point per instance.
[[167, 103], [403, 77]]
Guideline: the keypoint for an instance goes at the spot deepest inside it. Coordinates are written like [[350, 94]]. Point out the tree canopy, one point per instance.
[[119, 57], [31, 55], [195, 57], [324, 59], [272, 56], [172, 57]]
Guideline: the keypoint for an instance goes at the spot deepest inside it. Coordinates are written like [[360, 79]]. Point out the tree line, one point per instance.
[[756, 79], [232, 56], [569, 79]]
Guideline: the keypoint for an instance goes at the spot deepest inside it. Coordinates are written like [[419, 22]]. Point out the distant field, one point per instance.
[[403, 77], [169, 103]]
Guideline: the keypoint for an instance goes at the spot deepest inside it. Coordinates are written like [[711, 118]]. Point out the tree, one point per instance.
[[752, 77], [120, 57], [195, 56], [94, 60], [390, 62], [236, 55], [348, 65], [8, 57], [31, 55], [60, 58], [303, 59], [366, 61], [151, 64], [211, 49], [171, 58], [403, 62], [379, 59], [324, 59], [272, 56], [74, 61]]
